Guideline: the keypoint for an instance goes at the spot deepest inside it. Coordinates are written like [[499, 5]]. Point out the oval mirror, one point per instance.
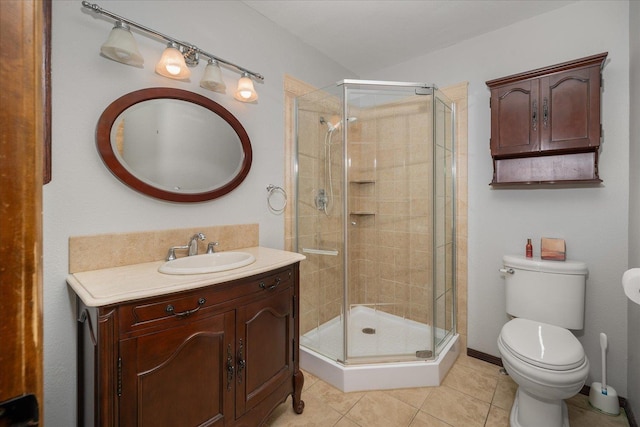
[[174, 145]]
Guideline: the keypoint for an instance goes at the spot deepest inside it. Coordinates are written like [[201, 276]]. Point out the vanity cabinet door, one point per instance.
[[265, 353], [181, 376]]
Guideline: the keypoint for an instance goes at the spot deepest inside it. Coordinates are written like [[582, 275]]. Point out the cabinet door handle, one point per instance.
[[241, 363], [171, 309], [276, 283], [230, 368], [545, 113], [534, 117]]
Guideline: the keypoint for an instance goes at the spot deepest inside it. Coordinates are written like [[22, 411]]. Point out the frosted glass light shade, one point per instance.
[[172, 64], [121, 46], [212, 78], [245, 91]]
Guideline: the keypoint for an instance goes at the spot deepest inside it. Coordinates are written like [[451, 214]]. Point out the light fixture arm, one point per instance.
[[190, 51]]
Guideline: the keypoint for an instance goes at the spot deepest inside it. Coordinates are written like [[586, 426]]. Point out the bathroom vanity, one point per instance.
[[217, 349]]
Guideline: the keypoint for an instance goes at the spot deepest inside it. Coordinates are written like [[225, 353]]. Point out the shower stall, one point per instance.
[[375, 217]]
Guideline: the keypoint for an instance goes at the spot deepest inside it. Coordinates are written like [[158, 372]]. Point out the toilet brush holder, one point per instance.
[[602, 397], [606, 401]]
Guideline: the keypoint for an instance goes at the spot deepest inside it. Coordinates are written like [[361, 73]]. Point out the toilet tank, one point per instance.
[[547, 291]]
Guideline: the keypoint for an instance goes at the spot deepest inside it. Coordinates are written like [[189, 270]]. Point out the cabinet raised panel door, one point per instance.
[[515, 119], [265, 335], [177, 376], [571, 109]]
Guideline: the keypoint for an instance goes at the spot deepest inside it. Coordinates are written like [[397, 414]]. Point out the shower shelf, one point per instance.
[[362, 213], [363, 181]]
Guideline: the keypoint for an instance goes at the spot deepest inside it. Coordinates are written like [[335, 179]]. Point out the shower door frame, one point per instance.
[[437, 94]]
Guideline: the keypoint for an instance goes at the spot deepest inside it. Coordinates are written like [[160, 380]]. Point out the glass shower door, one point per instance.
[[389, 227]]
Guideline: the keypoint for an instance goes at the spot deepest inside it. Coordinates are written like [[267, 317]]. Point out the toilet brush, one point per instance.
[[603, 397]]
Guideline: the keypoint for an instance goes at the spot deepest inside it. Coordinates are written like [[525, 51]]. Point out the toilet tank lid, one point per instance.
[[545, 266]]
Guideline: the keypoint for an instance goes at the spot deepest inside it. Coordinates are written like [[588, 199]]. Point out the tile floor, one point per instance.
[[473, 393]]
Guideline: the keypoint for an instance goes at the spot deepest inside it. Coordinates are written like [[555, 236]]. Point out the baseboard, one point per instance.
[[585, 390], [484, 356], [630, 417]]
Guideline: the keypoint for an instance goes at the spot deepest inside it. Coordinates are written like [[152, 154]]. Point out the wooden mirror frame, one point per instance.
[[105, 147]]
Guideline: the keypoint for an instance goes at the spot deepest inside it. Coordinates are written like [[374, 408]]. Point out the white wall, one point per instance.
[[84, 198], [633, 321], [593, 221]]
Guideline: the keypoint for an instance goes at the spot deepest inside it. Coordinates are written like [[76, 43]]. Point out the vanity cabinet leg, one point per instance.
[[298, 382]]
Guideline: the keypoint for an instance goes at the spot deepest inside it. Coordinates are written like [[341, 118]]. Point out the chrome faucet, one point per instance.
[[193, 243], [192, 247], [211, 247]]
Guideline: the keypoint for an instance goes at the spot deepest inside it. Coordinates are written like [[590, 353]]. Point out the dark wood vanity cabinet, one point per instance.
[[223, 355], [545, 123]]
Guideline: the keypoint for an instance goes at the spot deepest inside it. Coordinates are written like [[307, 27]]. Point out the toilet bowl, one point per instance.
[[549, 365]]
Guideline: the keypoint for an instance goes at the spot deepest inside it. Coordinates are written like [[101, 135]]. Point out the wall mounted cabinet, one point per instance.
[[545, 124]]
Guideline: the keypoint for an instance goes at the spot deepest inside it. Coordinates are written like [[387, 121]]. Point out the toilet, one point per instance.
[[545, 300]]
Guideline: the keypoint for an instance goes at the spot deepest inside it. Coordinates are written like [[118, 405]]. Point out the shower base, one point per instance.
[[381, 334]]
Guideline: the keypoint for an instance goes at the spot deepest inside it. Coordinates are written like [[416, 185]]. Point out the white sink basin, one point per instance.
[[207, 263]]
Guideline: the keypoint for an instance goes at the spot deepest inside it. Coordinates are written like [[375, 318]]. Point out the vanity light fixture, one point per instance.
[[176, 58], [172, 63], [121, 46], [245, 92], [212, 78]]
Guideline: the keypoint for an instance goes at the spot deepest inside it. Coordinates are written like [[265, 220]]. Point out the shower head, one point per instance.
[[334, 123]]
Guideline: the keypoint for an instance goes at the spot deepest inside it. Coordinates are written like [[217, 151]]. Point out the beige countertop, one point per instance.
[[118, 284]]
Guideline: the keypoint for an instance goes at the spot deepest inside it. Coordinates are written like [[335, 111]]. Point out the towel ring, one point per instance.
[[272, 189]]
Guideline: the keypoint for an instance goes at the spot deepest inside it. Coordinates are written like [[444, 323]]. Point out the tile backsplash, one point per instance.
[[118, 249]]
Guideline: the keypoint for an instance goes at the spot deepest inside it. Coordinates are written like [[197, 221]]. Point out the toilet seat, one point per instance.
[[542, 345]]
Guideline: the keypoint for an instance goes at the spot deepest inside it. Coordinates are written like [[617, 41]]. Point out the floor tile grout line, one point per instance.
[[478, 371], [353, 406], [491, 405], [437, 418]]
